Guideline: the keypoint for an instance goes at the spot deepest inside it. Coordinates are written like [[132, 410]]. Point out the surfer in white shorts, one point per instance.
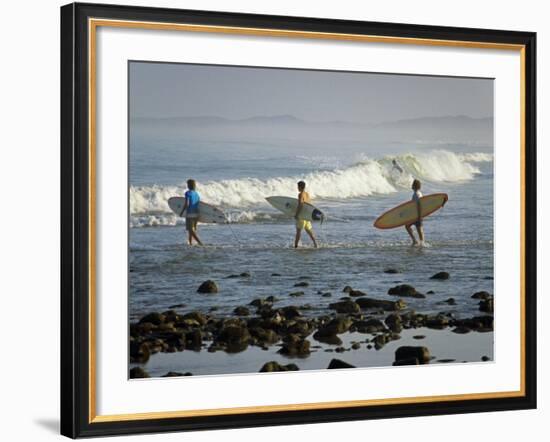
[[303, 197], [416, 185]]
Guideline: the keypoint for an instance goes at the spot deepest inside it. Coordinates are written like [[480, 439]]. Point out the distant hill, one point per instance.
[[444, 129]]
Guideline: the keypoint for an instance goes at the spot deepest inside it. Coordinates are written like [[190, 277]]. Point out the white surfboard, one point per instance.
[[289, 205], [207, 212]]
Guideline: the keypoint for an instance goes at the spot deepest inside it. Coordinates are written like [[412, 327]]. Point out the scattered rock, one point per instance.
[[445, 361], [422, 354], [430, 292], [450, 301], [485, 358], [419, 337], [139, 352], [391, 271], [275, 274], [347, 306], [347, 289], [295, 345], [369, 326], [296, 294], [241, 311], [208, 287], [153, 318], [326, 295], [356, 293], [481, 295], [274, 366], [337, 363], [356, 345], [461, 330], [196, 316], [336, 326], [138, 372], [369, 303], [172, 374], [441, 276], [406, 361], [291, 312], [486, 305], [302, 284], [405, 290]]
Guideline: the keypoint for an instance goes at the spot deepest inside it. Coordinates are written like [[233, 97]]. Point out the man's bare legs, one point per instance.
[[299, 235], [411, 234], [310, 233]]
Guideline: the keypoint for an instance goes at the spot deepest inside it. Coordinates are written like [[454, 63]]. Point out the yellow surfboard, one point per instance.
[[407, 213]]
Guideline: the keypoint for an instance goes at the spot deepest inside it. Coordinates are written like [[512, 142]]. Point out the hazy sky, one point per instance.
[[181, 90]]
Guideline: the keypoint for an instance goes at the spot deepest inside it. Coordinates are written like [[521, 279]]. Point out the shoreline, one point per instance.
[[356, 331]]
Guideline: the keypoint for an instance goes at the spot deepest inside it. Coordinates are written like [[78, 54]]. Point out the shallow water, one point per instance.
[[445, 347], [164, 271]]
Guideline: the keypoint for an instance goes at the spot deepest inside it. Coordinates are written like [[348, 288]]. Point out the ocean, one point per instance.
[[353, 184]]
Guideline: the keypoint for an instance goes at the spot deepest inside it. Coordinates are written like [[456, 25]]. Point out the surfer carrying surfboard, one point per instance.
[[416, 185], [191, 209], [303, 197]]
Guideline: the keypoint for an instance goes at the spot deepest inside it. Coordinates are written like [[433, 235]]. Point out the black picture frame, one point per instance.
[[75, 220]]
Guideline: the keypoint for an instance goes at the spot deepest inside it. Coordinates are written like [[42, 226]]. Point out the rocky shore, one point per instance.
[[266, 323]]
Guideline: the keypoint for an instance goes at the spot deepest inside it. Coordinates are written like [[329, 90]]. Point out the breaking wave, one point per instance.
[[244, 198]]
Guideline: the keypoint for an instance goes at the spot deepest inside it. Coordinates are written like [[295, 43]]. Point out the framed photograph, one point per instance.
[[274, 220]]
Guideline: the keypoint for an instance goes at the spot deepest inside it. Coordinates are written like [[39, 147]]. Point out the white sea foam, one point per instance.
[[244, 198]]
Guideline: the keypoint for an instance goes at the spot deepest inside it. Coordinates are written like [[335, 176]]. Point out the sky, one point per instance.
[[161, 90]]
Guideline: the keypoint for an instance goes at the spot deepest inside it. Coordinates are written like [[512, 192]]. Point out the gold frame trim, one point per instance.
[[93, 24]]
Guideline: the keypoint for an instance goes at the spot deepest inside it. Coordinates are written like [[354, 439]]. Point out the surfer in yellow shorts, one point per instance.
[[416, 185], [303, 197]]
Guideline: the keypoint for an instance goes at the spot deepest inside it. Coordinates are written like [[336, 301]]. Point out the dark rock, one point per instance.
[[335, 327], [291, 312], [275, 274], [356, 293], [193, 340], [391, 271], [394, 322], [419, 337], [208, 287], [153, 318], [450, 301], [481, 295], [405, 290], [295, 345], [337, 363], [437, 322], [441, 276], [296, 294], [369, 326], [430, 292], [445, 361], [271, 299], [347, 289], [347, 306], [138, 372], [329, 339], [259, 302], [406, 361], [171, 374], [245, 275], [380, 340], [196, 316], [302, 284], [356, 345], [461, 330], [241, 311], [485, 358], [408, 352], [273, 366], [139, 352], [369, 303], [264, 336], [326, 295], [486, 305]]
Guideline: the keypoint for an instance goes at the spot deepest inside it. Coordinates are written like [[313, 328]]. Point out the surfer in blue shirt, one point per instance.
[[191, 205], [416, 185]]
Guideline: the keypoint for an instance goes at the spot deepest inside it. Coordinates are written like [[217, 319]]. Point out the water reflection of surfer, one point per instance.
[[396, 166]]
